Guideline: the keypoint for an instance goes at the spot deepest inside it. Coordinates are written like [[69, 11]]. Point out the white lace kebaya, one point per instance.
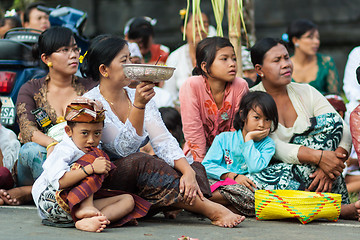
[[121, 138]]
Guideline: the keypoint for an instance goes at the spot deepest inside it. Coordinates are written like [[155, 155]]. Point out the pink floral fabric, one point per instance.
[[201, 118], [355, 129]]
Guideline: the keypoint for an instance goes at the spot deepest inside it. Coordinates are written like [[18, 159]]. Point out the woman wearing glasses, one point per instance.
[[41, 105]]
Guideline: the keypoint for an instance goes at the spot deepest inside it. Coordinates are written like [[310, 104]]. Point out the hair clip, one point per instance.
[[10, 13], [182, 13], [81, 58], [285, 37]]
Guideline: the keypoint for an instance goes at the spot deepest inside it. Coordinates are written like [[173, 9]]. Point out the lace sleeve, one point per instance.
[[164, 144], [333, 82], [121, 140]]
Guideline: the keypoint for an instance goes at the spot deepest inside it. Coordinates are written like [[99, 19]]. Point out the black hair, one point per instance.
[[172, 119], [51, 40], [298, 27], [261, 47], [102, 50], [358, 74], [29, 8], [254, 99], [14, 21], [206, 52], [140, 28]]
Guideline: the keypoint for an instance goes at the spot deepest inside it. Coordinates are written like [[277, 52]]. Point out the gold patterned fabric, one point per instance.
[[85, 110], [33, 95]]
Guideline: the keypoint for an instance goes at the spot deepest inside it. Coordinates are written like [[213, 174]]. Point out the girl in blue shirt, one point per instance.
[[247, 150]]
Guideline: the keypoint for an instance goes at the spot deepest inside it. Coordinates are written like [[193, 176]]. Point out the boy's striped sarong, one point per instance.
[[70, 199]]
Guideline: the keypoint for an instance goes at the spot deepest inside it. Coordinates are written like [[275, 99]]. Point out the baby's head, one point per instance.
[[254, 106], [85, 121]]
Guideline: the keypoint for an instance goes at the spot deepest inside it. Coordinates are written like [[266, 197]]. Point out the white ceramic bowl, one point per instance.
[[147, 72]]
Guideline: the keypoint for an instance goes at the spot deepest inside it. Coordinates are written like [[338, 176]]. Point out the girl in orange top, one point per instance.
[[210, 100]]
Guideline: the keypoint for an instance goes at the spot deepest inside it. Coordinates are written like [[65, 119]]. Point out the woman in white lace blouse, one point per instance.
[[132, 119]]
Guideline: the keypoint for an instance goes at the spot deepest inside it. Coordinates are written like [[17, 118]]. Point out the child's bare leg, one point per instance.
[[16, 196], [87, 208], [218, 198], [115, 208], [92, 224], [218, 214]]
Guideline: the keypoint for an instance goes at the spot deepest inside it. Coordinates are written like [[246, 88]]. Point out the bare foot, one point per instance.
[[350, 211], [16, 196], [226, 218], [171, 214], [93, 224], [87, 212]]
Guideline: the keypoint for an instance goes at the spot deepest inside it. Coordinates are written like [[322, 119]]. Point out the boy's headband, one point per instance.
[[85, 110]]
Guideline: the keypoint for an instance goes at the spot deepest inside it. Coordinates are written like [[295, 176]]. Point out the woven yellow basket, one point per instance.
[[305, 206]]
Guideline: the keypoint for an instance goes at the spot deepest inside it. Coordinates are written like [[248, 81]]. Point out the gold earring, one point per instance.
[[106, 75], [49, 64]]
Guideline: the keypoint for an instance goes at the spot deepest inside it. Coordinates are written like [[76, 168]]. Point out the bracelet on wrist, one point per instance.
[[92, 168], [140, 108], [82, 167], [236, 176], [51, 144], [322, 151]]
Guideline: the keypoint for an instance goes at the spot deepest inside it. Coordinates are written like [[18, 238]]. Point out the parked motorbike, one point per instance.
[[17, 65]]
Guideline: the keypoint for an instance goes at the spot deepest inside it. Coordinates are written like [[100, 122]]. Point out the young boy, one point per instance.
[[74, 172]]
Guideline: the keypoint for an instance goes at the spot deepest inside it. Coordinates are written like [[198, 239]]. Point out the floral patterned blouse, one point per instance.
[[327, 78], [33, 94], [201, 118]]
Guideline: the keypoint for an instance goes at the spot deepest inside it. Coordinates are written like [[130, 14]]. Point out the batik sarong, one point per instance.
[[70, 199], [325, 133]]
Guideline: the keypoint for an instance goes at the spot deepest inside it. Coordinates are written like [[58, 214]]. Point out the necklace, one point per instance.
[[113, 107]]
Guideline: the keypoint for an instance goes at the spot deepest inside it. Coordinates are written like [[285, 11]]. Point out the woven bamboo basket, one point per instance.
[[305, 206]]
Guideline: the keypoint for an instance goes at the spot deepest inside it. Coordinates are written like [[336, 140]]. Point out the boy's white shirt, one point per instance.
[[10, 147], [57, 163]]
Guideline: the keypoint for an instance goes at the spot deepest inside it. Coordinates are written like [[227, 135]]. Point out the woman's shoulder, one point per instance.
[[88, 83], [179, 50], [324, 59], [32, 86]]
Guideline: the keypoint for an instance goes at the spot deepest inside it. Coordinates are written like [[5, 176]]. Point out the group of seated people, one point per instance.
[[82, 159]]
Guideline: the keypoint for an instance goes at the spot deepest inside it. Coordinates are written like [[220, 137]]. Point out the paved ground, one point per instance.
[[23, 223]]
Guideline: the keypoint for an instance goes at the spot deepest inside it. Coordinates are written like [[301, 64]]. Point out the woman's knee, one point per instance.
[[31, 152]]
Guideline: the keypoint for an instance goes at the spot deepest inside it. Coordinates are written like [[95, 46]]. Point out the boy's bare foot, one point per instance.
[[223, 217], [87, 212], [350, 211], [16, 196], [93, 224]]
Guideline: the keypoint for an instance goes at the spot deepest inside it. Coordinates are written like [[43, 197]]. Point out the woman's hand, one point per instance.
[[245, 181], [101, 165], [189, 187], [321, 180], [144, 92], [257, 135], [332, 163]]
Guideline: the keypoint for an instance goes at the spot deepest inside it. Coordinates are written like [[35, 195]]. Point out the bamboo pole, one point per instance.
[[235, 32]]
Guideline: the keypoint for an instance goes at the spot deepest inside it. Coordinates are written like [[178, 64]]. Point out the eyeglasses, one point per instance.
[[67, 50]]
